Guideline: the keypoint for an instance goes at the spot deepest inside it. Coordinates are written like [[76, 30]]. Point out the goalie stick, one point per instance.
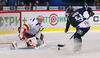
[[24, 38], [63, 45]]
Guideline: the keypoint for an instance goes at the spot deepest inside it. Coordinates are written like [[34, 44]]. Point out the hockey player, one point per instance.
[[32, 30], [81, 24], [69, 10]]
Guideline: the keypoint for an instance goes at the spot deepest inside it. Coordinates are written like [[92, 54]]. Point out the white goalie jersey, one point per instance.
[[32, 26]]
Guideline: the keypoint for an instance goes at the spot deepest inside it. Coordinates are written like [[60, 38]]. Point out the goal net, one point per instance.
[[9, 23]]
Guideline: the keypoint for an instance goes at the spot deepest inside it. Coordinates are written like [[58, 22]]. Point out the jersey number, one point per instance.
[[79, 17]]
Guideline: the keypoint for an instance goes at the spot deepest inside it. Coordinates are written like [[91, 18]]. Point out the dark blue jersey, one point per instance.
[[77, 16]]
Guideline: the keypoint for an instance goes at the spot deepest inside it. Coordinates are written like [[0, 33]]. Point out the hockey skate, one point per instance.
[[77, 45]]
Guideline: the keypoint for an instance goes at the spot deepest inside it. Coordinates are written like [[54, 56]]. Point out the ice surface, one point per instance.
[[90, 49]]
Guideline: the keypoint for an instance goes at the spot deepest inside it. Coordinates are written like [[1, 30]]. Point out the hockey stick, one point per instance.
[[60, 45], [24, 38]]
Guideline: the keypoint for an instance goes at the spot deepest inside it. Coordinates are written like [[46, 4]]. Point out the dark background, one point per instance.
[[53, 2]]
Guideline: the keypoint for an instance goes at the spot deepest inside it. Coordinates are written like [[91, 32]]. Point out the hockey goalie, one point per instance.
[[30, 34]]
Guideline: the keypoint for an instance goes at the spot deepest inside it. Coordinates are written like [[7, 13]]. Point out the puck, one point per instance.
[[58, 48]]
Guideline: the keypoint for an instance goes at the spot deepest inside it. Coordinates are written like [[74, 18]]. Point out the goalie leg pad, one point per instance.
[[33, 40], [39, 41], [39, 38], [20, 44]]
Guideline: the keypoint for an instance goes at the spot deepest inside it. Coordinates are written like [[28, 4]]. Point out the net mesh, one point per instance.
[[7, 34]]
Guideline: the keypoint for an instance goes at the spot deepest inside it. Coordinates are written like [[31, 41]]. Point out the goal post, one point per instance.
[[13, 18]]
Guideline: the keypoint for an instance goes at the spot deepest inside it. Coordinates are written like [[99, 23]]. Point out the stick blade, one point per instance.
[[60, 45]]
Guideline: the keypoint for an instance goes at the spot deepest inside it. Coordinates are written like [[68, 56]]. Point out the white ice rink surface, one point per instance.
[[90, 49]]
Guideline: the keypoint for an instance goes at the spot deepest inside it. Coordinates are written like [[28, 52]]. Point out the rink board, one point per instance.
[[54, 20]]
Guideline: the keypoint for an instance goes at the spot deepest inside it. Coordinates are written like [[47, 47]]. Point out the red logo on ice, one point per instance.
[[53, 20]]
